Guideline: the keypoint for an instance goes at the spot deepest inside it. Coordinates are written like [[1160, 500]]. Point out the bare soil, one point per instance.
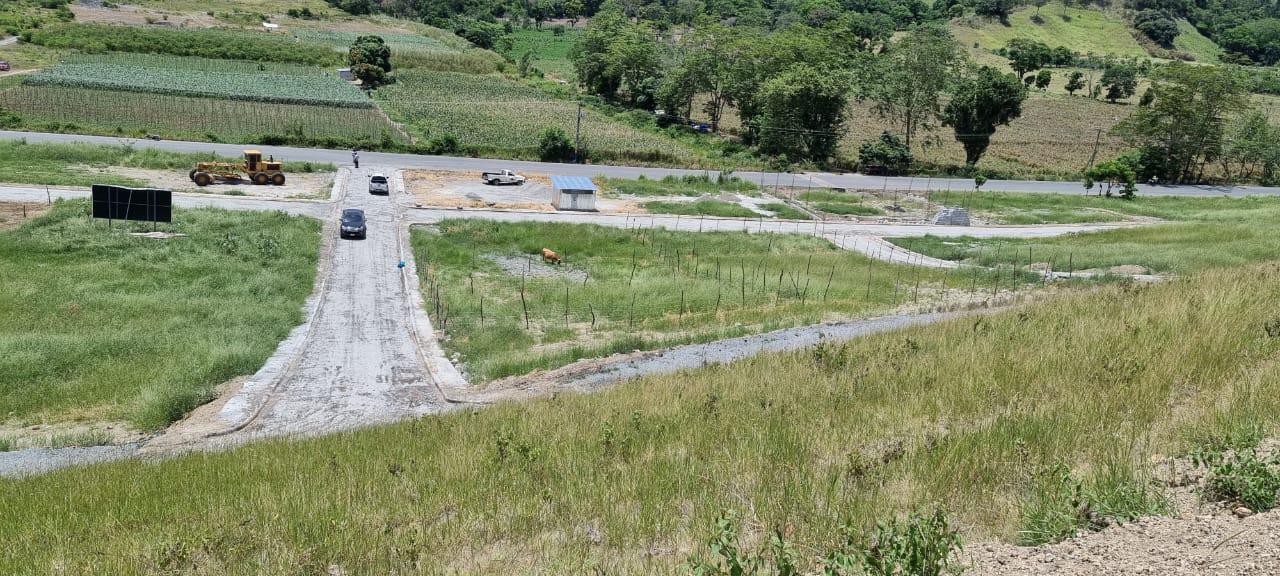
[[12, 214], [298, 185], [137, 16]]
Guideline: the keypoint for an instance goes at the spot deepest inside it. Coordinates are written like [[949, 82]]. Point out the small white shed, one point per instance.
[[573, 193]]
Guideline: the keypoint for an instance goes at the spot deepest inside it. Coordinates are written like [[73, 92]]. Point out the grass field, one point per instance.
[[551, 52], [1087, 30], [686, 287], [111, 112], [840, 203], [1214, 233], [1192, 42], [498, 116], [677, 186], [702, 207], [975, 415], [139, 329], [72, 164], [203, 77], [207, 43], [1021, 208]]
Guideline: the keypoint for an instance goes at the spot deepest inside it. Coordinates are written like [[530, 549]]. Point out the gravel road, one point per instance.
[[359, 363]]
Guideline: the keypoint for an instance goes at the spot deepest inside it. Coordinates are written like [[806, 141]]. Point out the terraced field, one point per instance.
[[498, 116], [204, 77]]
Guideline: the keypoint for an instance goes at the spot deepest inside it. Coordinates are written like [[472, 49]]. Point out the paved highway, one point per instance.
[[815, 179]]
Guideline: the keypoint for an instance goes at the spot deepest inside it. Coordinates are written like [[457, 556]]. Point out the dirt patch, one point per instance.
[[299, 185], [1121, 270], [67, 434], [13, 214], [446, 189], [137, 16], [535, 267]]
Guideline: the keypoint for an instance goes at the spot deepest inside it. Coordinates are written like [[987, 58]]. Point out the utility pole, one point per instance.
[[577, 134], [1097, 140]]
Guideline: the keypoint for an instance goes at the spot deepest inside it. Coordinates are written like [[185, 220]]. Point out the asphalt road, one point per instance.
[[815, 179]]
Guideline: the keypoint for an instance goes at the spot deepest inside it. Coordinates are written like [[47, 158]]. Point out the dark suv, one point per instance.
[[353, 224]]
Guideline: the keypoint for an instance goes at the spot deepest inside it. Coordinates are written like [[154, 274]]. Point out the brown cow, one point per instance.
[[549, 255]]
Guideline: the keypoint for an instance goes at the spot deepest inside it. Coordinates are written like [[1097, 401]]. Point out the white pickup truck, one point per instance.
[[503, 177]]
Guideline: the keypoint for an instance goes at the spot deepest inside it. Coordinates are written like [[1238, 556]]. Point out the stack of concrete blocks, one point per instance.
[[951, 217]]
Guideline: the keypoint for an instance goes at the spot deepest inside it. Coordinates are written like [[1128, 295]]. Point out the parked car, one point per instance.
[[353, 224], [378, 184], [503, 177], [4, 65]]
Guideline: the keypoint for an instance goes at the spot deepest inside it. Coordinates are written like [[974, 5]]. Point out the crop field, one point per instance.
[[983, 416], [501, 117], [1054, 137], [202, 77], [60, 108], [1210, 233], [341, 41], [206, 43], [632, 289], [440, 52], [139, 329]]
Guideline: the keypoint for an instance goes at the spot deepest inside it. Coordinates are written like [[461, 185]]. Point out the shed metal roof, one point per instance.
[[572, 183]]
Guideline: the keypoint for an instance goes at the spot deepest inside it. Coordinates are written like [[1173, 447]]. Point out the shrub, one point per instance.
[[554, 145], [1241, 476], [888, 152]]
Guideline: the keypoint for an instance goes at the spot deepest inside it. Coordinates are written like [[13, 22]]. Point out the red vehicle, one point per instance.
[[4, 66]]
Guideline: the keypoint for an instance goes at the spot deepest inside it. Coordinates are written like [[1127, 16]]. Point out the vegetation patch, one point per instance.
[[818, 445], [141, 329], [71, 164], [619, 290], [493, 115], [207, 43], [203, 77], [703, 207], [694, 185]]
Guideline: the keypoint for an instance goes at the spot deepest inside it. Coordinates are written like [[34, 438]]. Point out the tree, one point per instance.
[[370, 60], [1075, 82], [1043, 78], [615, 54], [1258, 39], [554, 145], [909, 80], [1156, 25], [802, 112], [982, 101], [706, 69], [1118, 171], [889, 152], [994, 8], [1183, 127], [1253, 149], [1027, 55], [1120, 80], [572, 10]]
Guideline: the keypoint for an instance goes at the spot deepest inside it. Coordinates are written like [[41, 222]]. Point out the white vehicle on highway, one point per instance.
[[503, 177]]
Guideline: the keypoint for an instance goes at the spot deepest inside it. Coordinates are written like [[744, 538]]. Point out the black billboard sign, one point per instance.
[[142, 204]]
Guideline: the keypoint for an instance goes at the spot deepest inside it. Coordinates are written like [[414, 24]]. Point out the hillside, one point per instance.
[[1084, 30]]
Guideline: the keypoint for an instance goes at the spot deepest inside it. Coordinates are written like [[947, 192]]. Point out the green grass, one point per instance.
[[1192, 42], [783, 210], [1217, 233], [677, 186], [204, 77], [72, 164], [207, 43], [846, 209], [842, 203], [551, 52], [703, 207], [113, 112], [597, 271], [98, 324], [494, 115], [1088, 31], [1027, 208], [971, 415]]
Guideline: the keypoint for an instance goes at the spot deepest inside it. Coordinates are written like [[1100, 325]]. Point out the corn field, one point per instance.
[[202, 77], [490, 112], [111, 111]]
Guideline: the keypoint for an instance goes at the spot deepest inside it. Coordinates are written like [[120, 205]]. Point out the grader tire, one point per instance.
[[202, 179], [192, 174], [277, 179], [261, 178]]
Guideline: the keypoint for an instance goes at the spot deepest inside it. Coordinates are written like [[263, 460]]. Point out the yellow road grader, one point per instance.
[[254, 169]]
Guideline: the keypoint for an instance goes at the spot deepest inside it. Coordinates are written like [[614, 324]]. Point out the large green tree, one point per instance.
[[1183, 128], [1027, 55], [908, 82], [983, 100], [802, 112], [616, 57]]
